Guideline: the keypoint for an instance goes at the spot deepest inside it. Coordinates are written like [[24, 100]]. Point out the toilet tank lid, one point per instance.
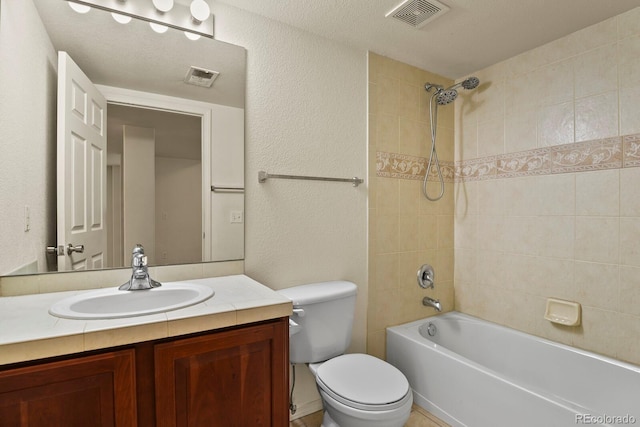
[[319, 292]]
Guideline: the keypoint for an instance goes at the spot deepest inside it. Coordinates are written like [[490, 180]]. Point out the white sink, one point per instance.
[[113, 303]]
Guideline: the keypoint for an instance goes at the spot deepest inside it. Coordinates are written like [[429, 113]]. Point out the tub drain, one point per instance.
[[431, 329]]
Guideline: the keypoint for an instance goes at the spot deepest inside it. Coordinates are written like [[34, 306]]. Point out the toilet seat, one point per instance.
[[364, 382]]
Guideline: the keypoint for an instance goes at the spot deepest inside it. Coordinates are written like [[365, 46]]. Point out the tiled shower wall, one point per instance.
[[405, 230], [547, 193]]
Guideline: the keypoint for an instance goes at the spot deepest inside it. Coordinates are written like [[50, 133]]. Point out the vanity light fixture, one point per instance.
[[192, 36], [119, 18], [158, 28], [200, 11], [196, 19], [163, 6], [80, 8]]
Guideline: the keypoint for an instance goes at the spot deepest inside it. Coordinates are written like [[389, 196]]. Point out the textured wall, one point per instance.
[[548, 203], [27, 126], [306, 114]]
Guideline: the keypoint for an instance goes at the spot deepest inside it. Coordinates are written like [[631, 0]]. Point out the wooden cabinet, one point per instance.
[[235, 378], [231, 378], [96, 390]]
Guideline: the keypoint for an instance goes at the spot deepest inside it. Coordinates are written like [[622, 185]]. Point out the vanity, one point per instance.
[[223, 362]]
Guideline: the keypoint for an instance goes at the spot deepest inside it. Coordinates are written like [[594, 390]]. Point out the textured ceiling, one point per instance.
[[472, 35]]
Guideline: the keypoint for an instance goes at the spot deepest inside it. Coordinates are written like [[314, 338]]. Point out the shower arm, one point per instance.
[[429, 86]]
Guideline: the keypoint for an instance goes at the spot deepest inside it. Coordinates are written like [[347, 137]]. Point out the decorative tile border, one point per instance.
[[631, 153], [586, 156], [392, 165], [608, 153], [532, 162], [476, 169]]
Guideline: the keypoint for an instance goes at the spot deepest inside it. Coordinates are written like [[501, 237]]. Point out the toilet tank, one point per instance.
[[324, 312]]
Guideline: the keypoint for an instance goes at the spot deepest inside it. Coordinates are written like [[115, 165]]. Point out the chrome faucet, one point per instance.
[[430, 302], [426, 276], [140, 279]]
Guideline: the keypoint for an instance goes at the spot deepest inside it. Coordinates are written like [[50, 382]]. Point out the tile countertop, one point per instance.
[[29, 332]]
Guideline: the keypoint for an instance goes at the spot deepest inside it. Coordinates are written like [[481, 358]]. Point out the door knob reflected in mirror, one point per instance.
[[71, 249], [55, 250]]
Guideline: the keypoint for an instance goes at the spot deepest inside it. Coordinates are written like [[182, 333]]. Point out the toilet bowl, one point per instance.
[[357, 390]]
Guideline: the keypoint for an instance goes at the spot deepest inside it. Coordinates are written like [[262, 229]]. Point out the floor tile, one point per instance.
[[419, 418]]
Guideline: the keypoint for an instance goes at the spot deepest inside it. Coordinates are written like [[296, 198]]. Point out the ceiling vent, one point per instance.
[[418, 12], [200, 77]]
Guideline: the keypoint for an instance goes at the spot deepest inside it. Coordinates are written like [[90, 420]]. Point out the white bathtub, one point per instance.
[[478, 374]]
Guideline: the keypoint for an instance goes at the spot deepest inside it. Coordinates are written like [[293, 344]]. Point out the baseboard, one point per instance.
[[306, 408]]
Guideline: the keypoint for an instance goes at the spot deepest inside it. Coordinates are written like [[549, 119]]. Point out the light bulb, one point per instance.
[[80, 8], [199, 10], [121, 19], [192, 36], [163, 5], [158, 28]]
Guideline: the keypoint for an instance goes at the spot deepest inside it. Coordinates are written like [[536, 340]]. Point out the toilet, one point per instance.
[[357, 390]]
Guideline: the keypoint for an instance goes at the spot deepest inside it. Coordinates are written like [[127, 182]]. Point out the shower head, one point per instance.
[[446, 96], [442, 97], [470, 83]]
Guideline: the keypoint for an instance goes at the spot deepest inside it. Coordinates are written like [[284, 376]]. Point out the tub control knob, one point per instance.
[[426, 276]]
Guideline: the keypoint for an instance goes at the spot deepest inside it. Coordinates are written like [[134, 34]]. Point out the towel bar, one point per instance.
[[263, 176]]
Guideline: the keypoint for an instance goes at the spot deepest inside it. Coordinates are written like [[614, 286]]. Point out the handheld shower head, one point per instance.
[[446, 96], [441, 96]]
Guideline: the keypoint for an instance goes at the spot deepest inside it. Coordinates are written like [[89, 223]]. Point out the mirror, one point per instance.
[[137, 70]]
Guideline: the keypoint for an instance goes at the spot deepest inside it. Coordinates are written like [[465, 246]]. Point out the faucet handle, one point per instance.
[[139, 260], [426, 276], [143, 261]]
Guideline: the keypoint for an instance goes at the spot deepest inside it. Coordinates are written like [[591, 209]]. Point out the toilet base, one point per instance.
[[327, 421], [337, 414]]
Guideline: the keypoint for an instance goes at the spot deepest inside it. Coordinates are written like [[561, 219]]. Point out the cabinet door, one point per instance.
[[94, 390], [235, 378]]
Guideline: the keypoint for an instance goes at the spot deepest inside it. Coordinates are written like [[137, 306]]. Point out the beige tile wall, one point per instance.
[[405, 230], [568, 228]]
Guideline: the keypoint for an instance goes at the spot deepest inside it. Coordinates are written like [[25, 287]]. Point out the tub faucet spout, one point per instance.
[[430, 302]]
